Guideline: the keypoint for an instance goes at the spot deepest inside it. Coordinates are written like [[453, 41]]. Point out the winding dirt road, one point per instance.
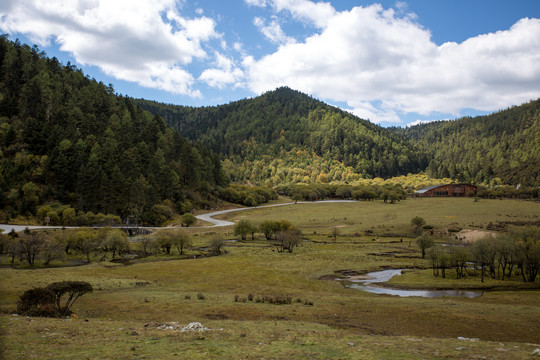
[[208, 217]]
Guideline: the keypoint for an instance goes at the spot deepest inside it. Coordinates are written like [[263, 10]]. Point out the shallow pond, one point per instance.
[[385, 275]]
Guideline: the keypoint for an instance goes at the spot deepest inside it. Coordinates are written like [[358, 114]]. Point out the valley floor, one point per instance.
[[324, 320]]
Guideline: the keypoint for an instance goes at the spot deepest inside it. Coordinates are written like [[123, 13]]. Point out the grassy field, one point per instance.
[[395, 218], [341, 323]]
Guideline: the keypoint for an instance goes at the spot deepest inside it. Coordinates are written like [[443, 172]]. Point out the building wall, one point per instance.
[[450, 190]]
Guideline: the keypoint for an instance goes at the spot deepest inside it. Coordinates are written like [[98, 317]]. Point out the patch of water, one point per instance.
[[385, 275]]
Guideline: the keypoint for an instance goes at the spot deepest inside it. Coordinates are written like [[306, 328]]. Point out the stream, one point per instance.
[[385, 275]]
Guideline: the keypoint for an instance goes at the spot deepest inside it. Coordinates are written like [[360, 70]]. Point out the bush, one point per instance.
[[188, 219], [277, 299], [216, 246], [37, 302]]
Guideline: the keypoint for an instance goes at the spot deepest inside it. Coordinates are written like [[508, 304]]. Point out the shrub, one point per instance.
[[48, 301], [188, 219], [277, 299], [216, 246], [37, 302], [417, 222]]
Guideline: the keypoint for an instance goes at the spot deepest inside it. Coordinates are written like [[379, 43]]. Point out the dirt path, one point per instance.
[[208, 217]]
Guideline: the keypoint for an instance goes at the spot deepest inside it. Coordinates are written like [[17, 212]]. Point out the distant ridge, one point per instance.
[[503, 147], [287, 136]]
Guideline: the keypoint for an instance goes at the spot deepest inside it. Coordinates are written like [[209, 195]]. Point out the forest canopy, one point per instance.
[[496, 149], [284, 137], [70, 141]]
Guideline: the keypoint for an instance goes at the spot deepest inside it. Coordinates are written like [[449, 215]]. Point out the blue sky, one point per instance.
[[393, 63]]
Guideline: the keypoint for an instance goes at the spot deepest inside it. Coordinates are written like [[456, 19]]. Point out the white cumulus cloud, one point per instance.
[[143, 41], [315, 13], [272, 31], [224, 73], [384, 65]]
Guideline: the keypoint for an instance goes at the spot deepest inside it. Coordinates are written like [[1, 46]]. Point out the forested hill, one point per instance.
[[503, 147], [286, 136], [69, 141]]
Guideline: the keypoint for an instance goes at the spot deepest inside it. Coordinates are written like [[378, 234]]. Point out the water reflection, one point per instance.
[[385, 275]]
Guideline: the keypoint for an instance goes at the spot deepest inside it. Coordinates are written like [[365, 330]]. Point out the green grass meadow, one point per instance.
[[358, 217], [341, 323]]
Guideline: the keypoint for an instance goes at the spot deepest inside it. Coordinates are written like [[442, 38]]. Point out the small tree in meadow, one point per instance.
[[54, 300], [297, 197], [51, 250], [30, 244], [483, 253], [243, 228], [288, 239], [72, 289], [164, 240], [117, 242], [424, 242], [417, 222], [180, 240], [148, 244], [216, 246]]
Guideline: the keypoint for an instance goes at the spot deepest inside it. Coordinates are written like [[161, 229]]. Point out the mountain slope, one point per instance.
[[69, 140], [503, 145], [286, 136]]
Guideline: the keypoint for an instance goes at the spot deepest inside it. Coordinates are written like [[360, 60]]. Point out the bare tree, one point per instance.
[[483, 254], [288, 239], [148, 244], [53, 248], [31, 244]]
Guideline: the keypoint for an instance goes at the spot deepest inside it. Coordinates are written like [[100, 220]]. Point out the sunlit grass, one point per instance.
[[395, 218]]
